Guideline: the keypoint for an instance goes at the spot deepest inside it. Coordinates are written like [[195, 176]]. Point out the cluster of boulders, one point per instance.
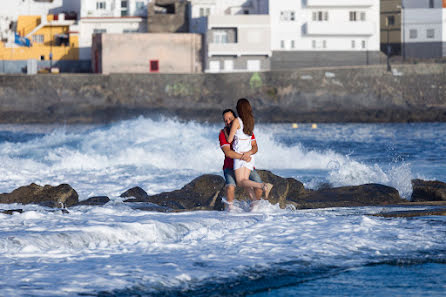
[[206, 192]]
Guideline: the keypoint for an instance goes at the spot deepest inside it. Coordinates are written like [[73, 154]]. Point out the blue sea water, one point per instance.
[[116, 250]]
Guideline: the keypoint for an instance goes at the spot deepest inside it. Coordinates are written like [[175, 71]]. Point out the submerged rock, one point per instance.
[[60, 196], [11, 211], [412, 213], [428, 190], [363, 195]]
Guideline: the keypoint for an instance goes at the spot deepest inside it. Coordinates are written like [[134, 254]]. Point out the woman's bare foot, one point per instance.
[[267, 188]]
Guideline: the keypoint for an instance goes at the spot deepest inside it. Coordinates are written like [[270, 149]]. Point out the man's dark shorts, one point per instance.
[[230, 177]]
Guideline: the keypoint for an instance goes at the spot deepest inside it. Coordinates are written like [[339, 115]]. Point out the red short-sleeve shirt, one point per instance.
[[228, 163]]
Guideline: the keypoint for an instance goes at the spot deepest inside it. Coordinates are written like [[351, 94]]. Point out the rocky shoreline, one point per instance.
[[206, 192]]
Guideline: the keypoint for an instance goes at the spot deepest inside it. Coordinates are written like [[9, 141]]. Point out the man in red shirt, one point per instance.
[[230, 155]]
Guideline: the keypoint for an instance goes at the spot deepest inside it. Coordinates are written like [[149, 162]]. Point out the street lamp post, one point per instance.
[[389, 50]]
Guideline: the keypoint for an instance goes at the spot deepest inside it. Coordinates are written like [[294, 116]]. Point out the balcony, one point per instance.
[[339, 29], [338, 3]]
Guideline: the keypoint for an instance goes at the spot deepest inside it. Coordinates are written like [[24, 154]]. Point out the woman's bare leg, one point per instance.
[[242, 178]]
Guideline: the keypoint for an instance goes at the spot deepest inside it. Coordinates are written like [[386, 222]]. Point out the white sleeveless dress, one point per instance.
[[241, 144]]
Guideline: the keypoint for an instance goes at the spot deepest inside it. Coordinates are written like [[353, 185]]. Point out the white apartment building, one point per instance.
[[109, 16], [424, 28], [200, 9], [238, 43], [324, 32]]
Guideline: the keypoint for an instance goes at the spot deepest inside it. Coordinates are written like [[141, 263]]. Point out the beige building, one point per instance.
[[167, 16], [144, 53], [391, 26]]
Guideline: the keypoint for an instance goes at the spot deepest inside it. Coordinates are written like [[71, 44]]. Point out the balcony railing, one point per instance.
[[346, 28], [338, 3]]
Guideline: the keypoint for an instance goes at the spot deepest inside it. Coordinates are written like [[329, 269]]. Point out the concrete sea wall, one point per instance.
[[356, 94]]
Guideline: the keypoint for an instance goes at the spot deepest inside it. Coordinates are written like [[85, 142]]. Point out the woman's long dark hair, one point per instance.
[[244, 110]]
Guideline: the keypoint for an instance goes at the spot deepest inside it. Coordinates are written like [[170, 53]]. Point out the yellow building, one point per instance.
[[49, 36]]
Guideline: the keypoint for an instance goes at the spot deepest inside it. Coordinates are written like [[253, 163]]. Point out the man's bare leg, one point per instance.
[[230, 194]]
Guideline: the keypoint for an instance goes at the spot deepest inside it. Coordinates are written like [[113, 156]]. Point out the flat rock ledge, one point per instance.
[[206, 192]]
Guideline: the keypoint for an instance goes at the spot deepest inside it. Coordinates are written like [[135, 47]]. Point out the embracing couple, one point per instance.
[[239, 145]]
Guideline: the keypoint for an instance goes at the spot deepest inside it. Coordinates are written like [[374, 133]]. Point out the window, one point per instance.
[[353, 44], [220, 36], [253, 65], [287, 15], [124, 8], [363, 16], [430, 33], [100, 31], [38, 38], [324, 43], [42, 58], [130, 31], [431, 3], [390, 20], [363, 44], [282, 44], [229, 65], [413, 33], [319, 16], [313, 43], [100, 5], [204, 11], [154, 66], [214, 66], [292, 44], [355, 16], [140, 5]]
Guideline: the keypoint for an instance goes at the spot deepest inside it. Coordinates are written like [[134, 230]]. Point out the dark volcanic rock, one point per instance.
[[204, 192], [135, 192], [412, 213], [283, 188], [98, 200], [428, 190], [60, 196], [368, 194], [11, 211]]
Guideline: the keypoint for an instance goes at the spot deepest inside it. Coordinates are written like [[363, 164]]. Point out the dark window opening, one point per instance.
[[154, 66], [431, 3], [165, 9], [62, 39], [390, 20], [42, 58]]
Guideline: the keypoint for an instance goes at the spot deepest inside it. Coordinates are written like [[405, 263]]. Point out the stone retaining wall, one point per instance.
[[356, 94]]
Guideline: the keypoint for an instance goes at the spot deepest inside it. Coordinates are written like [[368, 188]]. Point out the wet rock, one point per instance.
[[94, 201], [60, 196], [11, 211], [428, 190], [283, 189], [203, 193], [363, 195], [135, 192]]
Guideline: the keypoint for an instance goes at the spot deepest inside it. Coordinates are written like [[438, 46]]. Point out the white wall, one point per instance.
[[422, 20], [335, 34], [112, 8], [198, 22]]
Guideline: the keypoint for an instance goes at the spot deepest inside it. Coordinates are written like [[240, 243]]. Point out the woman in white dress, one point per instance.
[[240, 136]]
